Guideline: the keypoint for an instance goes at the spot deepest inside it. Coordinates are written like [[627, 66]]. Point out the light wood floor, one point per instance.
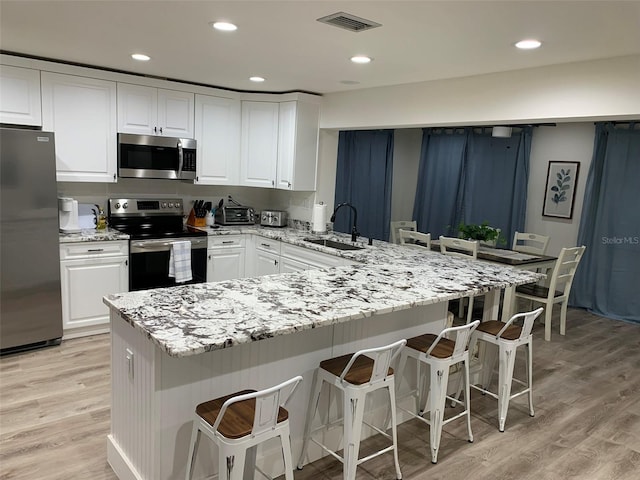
[[54, 416]]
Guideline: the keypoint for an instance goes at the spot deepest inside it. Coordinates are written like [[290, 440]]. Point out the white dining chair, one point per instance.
[[558, 290], [457, 247], [414, 239], [404, 225], [530, 243]]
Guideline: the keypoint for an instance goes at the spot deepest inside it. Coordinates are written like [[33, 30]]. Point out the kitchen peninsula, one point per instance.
[[176, 347]]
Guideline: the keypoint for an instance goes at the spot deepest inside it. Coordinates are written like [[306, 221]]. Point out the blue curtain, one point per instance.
[[497, 173], [437, 207], [608, 278], [363, 178], [469, 176]]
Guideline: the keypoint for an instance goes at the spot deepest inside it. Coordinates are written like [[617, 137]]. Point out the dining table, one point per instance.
[[515, 259]]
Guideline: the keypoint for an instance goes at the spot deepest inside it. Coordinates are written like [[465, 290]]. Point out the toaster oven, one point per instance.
[[235, 215]]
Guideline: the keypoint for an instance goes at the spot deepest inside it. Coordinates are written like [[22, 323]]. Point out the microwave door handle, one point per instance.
[[180, 159]]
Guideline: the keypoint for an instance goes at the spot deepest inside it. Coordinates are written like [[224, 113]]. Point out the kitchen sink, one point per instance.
[[332, 244]]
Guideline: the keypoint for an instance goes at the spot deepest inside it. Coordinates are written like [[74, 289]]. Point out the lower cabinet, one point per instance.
[[225, 259], [89, 271], [267, 257]]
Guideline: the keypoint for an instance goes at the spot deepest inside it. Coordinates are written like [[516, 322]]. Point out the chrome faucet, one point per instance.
[[354, 229]]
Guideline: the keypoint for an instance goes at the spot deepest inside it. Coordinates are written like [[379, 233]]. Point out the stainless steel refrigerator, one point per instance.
[[30, 300]]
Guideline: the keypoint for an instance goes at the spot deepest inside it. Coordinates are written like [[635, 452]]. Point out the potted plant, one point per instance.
[[485, 234]]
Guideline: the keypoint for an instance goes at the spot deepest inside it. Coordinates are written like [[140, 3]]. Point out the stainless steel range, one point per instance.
[[153, 224]]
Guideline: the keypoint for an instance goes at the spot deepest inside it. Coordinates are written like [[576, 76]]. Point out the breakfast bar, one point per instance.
[[173, 348]]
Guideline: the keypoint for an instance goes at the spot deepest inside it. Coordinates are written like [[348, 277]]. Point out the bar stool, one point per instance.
[[508, 337], [239, 422], [355, 375], [440, 354]]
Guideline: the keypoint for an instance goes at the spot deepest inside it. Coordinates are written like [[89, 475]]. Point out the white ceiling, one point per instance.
[[283, 42]]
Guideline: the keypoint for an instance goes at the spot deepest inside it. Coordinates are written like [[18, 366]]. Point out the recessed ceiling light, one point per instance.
[[361, 59], [256, 79], [141, 57], [224, 26], [528, 44]]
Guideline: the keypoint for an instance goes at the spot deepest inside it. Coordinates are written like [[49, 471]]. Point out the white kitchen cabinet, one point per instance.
[[297, 145], [259, 144], [20, 100], [81, 112], [155, 111], [266, 256], [226, 258], [294, 257], [89, 271], [217, 132]]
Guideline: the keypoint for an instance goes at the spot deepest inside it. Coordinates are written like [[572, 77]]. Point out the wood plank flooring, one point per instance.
[[54, 416]]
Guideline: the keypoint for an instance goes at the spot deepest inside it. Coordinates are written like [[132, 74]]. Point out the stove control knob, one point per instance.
[[164, 204], [170, 204], [125, 205], [117, 206], [177, 205]]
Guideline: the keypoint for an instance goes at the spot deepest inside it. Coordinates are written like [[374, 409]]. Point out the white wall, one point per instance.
[[565, 142], [603, 89]]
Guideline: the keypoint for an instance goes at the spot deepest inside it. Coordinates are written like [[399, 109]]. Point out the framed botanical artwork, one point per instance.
[[560, 191]]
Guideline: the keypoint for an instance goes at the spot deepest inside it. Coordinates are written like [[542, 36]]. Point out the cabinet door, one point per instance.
[[82, 113], [297, 146], [137, 109], [175, 114], [217, 130], [225, 264], [288, 265], [266, 263], [259, 144], [20, 102], [84, 283]]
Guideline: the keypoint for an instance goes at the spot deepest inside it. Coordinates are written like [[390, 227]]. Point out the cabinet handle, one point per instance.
[[155, 129], [275, 262], [209, 257], [273, 183], [227, 241], [114, 177], [265, 245], [126, 263], [160, 130], [289, 184], [95, 250]]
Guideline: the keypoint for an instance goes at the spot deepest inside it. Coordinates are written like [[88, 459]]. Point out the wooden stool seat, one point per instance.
[[537, 290], [238, 419], [359, 373], [493, 327], [443, 349]]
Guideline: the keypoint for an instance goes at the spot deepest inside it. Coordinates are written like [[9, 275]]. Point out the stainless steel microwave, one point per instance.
[[148, 156]]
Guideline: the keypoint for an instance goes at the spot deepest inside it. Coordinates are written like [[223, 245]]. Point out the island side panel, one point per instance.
[[132, 445]]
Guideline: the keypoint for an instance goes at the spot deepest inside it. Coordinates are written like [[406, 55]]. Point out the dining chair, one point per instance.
[[414, 239], [456, 247], [404, 225], [530, 243], [558, 290]]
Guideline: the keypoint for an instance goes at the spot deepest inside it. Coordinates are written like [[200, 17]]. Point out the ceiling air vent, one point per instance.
[[349, 22]]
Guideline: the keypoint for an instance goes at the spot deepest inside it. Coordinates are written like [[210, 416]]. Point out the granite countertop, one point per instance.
[[192, 319], [93, 235]]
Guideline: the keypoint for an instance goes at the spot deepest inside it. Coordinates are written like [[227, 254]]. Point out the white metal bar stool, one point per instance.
[[439, 353], [508, 337], [355, 375], [239, 422]]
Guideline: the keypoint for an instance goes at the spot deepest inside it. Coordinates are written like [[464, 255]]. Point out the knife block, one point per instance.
[[196, 221]]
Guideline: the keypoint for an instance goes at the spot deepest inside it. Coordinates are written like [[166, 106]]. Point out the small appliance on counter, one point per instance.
[[273, 218], [68, 214], [235, 215]]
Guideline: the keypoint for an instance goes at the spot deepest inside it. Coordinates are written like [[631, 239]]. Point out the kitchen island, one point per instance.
[[174, 348]]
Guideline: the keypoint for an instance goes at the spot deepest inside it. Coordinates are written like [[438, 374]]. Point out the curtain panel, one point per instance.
[[607, 279], [466, 175], [364, 175]]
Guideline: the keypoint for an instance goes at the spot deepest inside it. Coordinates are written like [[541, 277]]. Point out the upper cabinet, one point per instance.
[[20, 96], [81, 112], [217, 128], [259, 144], [279, 144], [297, 145], [155, 111]]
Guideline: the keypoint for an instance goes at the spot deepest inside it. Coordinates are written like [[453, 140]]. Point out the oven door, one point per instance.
[[149, 262]]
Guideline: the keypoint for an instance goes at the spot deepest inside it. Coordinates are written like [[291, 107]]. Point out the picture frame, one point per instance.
[[560, 189]]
